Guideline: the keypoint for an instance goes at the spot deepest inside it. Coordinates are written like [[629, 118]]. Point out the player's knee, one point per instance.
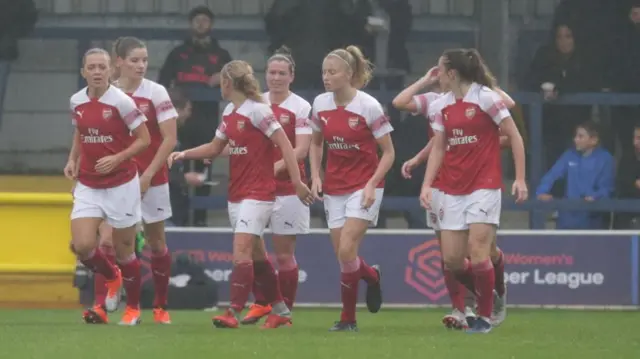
[[347, 251], [286, 261], [157, 245], [82, 249], [453, 262], [243, 248]]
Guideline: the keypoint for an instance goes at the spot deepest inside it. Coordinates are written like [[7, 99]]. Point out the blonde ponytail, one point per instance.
[[361, 68], [243, 80]]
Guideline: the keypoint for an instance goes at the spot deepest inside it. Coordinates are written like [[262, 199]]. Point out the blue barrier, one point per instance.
[[400, 204]]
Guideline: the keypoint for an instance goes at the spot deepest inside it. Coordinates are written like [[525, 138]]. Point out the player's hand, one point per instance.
[[145, 183], [107, 164], [638, 184], [278, 167], [316, 189], [175, 157], [304, 193], [70, 171], [589, 199], [408, 167], [545, 197], [214, 80], [519, 189], [207, 161], [368, 196], [194, 179], [426, 195]]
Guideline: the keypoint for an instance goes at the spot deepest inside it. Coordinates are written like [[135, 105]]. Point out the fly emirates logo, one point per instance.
[[459, 138], [237, 150], [93, 136], [337, 143]]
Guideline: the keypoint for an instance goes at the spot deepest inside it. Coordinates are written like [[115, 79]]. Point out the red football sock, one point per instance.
[[465, 276], [349, 278], [270, 283], [498, 267], [241, 284], [98, 263], [261, 271], [100, 282], [132, 280], [161, 271], [484, 279], [289, 286], [455, 289], [288, 272], [367, 272]]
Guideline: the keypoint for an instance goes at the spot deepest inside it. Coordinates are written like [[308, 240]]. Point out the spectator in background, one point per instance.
[[624, 74], [197, 62], [179, 177], [588, 171], [628, 183], [17, 19], [310, 29], [558, 68]]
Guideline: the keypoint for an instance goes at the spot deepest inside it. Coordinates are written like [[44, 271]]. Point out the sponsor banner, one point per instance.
[[541, 269]]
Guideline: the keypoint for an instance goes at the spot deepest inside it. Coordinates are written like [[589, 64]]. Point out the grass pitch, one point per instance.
[[397, 334]]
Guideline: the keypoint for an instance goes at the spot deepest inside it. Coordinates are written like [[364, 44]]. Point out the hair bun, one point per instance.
[[283, 50]]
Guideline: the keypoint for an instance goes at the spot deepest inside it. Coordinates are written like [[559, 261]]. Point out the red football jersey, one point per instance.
[[247, 130], [153, 101], [292, 114], [470, 125], [351, 133], [105, 125]]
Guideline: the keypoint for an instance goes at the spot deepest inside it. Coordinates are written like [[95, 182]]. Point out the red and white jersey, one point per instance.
[[350, 132], [470, 125], [423, 100], [293, 114], [153, 101], [105, 126], [247, 130]]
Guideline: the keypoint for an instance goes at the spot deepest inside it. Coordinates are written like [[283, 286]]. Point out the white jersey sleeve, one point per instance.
[[129, 112], [435, 116], [491, 102], [72, 109], [262, 118], [221, 132], [314, 120], [377, 120], [162, 104], [422, 102], [302, 119]]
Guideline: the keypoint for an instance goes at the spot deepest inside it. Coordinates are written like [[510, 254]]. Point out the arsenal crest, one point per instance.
[[470, 112], [353, 122], [241, 125], [284, 119], [144, 107], [107, 113]]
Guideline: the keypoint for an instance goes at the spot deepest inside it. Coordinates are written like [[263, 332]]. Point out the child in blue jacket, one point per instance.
[[588, 170]]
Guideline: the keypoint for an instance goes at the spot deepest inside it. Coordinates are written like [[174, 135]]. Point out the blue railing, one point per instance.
[[464, 38]]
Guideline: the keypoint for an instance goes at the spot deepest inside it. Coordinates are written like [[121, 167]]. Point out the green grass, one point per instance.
[[539, 334]]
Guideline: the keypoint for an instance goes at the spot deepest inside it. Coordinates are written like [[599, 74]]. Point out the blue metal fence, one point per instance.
[[465, 38]]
